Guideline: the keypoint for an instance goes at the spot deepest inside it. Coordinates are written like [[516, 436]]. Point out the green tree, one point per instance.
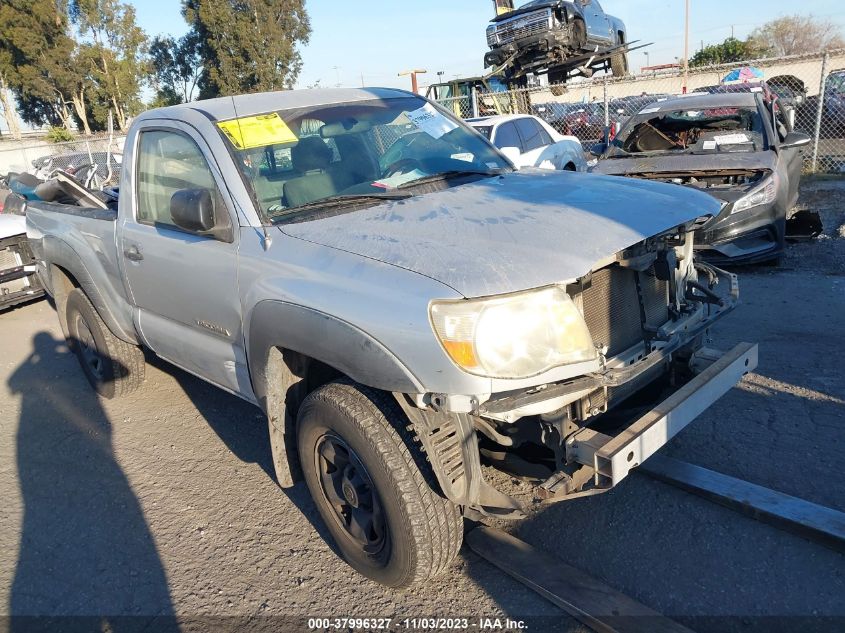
[[38, 60], [796, 35], [114, 47], [7, 105], [248, 45], [729, 51], [176, 67]]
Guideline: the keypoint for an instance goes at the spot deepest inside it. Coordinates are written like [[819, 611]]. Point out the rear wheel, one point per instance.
[[619, 65], [372, 486], [112, 366]]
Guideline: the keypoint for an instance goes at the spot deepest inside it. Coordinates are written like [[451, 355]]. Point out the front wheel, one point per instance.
[[372, 486]]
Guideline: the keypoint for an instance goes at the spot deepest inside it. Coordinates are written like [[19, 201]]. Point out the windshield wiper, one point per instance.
[[337, 201], [446, 175]]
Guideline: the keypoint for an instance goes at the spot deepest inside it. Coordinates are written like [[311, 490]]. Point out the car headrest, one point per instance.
[[310, 153], [348, 126]]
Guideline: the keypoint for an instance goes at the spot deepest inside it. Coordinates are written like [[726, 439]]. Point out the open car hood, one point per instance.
[[512, 232]]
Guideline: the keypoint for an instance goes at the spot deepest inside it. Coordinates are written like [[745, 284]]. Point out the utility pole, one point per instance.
[[647, 60], [414, 86], [337, 73], [686, 47], [362, 79]]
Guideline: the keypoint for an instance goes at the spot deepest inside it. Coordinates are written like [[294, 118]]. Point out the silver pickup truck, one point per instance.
[[406, 308]]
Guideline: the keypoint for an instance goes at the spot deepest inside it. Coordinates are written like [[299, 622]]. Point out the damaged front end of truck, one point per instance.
[[649, 374]]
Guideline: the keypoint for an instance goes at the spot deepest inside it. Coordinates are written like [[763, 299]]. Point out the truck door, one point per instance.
[[183, 284], [598, 27]]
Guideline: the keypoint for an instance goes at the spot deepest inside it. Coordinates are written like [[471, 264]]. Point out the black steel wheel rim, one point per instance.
[[350, 493], [88, 348]]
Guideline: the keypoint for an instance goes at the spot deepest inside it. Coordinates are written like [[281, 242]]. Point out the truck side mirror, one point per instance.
[[193, 210], [795, 139]]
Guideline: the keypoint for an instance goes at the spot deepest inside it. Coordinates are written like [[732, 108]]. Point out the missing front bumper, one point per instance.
[[611, 459]]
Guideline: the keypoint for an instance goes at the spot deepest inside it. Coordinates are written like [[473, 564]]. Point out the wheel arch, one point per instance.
[[292, 350], [66, 270]]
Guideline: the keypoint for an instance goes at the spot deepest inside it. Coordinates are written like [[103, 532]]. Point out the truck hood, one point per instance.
[[685, 163], [534, 5], [511, 232], [11, 225]]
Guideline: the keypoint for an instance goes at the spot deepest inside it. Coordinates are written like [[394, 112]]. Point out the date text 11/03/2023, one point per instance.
[[416, 624]]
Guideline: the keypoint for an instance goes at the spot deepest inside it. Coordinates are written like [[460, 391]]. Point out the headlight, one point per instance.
[[513, 336], [765, 193], [491, 36]]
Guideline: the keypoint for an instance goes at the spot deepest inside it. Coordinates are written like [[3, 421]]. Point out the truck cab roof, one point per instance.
[[224, 108]]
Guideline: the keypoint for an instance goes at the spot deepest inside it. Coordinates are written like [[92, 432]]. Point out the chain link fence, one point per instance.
[[811, 86], [43, 156]]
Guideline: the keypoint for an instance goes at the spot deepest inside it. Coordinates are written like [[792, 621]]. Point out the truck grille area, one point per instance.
[[615, 303], [620, 307], [520, 27], [11, 259]]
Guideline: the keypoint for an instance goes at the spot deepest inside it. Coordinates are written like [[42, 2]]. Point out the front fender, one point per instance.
[[322, 337], [618, 28]]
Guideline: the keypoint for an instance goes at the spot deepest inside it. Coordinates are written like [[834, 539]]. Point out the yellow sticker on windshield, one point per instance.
[[258, 131]]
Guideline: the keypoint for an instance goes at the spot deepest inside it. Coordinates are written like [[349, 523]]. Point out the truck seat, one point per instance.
[[312, 158]]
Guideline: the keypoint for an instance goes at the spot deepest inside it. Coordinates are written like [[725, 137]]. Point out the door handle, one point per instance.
[[133, 253]]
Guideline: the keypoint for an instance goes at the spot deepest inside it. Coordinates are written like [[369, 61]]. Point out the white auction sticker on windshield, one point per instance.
[[650, 110], [731, 139], [430, 121]]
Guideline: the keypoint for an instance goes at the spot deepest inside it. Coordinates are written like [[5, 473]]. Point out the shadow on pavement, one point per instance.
[[85, 548], [242, 427]]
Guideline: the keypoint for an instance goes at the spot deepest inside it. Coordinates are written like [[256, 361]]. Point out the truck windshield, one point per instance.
[[351, 151], [727, 129]]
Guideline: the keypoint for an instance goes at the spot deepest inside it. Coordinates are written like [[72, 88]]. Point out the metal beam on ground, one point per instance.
[[584, 597], [804, 518]]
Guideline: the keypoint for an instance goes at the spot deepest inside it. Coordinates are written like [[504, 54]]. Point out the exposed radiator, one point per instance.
[[613, 311], [12, 259], [614, 306]]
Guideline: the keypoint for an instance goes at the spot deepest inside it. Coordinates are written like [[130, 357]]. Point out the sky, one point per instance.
[[377, 39]]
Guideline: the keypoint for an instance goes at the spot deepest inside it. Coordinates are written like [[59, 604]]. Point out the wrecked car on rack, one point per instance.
[[401, 302], [737, 147], [557, 37]]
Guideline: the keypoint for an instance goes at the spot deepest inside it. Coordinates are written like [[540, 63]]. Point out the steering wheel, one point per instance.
[[403, 165]]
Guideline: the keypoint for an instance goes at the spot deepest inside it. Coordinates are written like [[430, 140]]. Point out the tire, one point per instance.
[[619, 65], [113, 367], [412, 532]]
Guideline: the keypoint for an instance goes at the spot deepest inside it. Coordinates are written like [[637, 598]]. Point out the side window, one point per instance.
[[167, 163], [530, 130], [506, 136], [545, 137]]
